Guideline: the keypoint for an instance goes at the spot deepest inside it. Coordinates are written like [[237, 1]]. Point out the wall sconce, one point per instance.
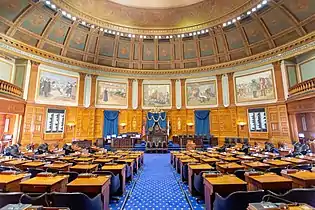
[[190, 124], [242, 124], [71, 125], [123, 125]]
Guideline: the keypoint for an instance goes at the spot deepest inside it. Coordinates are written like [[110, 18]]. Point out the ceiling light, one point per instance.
[[47, 2], [254, 9], [118, 33], [133, 36], [144, 37], [167, 37], [178, 35], [194, 33], [160, 37], [249, 12], [234, 20], [259, 6], [63, 13], [229, 23], [238, 18], [114, 32], [121, 34], [101, 29], [74, 18], [68, 16], [171, 36], [109, 31], [183, 35], [190, 34], [105, 30], [224, 24], [198, 32], [129, 35], [83, 22], [264, 2], [155, 37], [141, 36], [53, 6], [202, 31], [207, 30]]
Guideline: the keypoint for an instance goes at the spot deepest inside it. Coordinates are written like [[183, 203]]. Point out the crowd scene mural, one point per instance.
[[255, 87], [54, 87], [156, 95], [201, 93]]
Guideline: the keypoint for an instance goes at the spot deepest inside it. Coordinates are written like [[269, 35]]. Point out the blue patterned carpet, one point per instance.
[[157, 186]]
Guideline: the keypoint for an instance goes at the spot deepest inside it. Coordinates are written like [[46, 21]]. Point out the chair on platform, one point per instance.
[[114, 181], [237, 200], [77, 201], [10, 198], [299, 195], [72, 175]]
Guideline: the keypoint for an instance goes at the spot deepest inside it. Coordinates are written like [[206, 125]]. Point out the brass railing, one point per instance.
[[303, 87], [10, 89]]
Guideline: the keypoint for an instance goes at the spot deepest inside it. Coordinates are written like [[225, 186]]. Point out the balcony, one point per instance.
[[305, 87], [10, 89]]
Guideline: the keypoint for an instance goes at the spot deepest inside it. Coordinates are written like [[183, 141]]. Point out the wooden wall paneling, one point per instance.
[[279, 81], [93, 91], [71, 117], [123, 118], [214, 122], [2, 124], [242, 117], [190, 118], [273, 121], [81, 88], [228, 126], [220, 94], [284, 123], [98, 123], [183, 92], [32, 82], [134, 121], [178, 122], [85, 123]]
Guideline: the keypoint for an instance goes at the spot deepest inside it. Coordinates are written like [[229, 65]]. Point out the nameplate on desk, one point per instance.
[[87, 175], [11, 172], [253, 173], [212, 174], [46, 174]]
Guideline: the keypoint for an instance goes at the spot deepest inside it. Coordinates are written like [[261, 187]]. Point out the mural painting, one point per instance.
[[123, 50], [56, 88], [255, 87], [148, 51], [156, 95], [111, 93], [164, 52], [201, 93]]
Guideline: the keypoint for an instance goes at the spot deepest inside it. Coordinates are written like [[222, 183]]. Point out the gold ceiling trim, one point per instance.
[[241, 64], [203, 15]]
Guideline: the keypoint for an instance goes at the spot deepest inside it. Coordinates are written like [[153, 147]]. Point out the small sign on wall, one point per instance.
[[55, 121]]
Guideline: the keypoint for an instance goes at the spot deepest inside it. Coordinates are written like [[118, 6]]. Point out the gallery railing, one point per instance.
[[10, 89], [303, 87]]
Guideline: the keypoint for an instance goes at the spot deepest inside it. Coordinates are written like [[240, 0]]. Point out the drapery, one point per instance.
[[202, 126], [159, 118], [110, 123]]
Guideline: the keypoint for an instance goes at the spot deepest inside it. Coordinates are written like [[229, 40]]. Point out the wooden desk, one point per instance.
[[84, 168], [45, 184], [66, 158], [5, 159], [83, 159], [278, 163], [223, 185], [58, 166], [136, 159], [34, 164], [209, 160], [114, 156], [195, 169], [295, 161], [213, 155], [228, 167], [103, 160], [246, 157], [130, 163], [177, 161], [92, 186], [301, 179], [15, 163], [311, 159], [256, 165], [11, 182], [118, 169], [182, 163], [268, 181], [229, 159]]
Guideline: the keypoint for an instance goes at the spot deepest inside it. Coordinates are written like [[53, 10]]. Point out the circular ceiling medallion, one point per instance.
[[153, 4]]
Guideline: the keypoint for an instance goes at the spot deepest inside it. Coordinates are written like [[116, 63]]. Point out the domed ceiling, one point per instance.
[[279, 22], [145, 17]]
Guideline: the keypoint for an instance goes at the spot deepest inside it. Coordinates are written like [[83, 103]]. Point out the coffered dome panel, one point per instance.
[[35, 24]]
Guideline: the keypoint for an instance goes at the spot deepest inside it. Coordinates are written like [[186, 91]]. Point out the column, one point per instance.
[[183, 86], [32, 82], [173, 91], [278, 79], [293, 127], [231, 89], [220, 97], [81, 88], [140, 81], [93, 90]]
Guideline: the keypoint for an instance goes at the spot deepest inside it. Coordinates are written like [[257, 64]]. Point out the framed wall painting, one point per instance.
[[111, 94], [57, 88], [255, 87], [156, 95], [201, 94]]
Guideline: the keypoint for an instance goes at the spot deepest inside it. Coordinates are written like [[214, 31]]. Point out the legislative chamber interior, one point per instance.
[[157, 105]]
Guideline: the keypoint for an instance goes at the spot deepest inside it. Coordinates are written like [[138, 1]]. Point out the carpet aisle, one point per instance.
[[157, 187]]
